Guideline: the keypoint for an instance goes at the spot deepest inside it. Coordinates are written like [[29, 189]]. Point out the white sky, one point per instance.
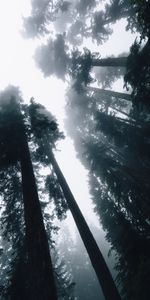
[[17, 67]]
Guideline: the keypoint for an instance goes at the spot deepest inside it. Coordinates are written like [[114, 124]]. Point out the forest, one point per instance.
[[107, 118]]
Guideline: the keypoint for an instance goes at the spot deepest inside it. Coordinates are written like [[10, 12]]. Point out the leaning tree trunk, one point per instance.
[[104, 276], [110, 62], [41, 278], [109, 93], [122, 112]]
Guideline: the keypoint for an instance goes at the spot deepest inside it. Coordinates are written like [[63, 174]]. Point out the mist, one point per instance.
[[74, 145]]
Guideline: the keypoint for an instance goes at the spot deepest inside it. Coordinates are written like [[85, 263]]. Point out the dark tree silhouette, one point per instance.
[[15, 276], [95, 255], [14, 141]]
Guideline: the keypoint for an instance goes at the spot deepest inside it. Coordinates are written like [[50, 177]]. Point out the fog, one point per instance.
[[42, 47]]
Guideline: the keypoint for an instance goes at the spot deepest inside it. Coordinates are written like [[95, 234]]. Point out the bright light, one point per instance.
[[17, 67]]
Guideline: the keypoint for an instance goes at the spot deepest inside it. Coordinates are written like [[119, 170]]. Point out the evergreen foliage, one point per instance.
[[112, 148], [111, 134], [15, 255]]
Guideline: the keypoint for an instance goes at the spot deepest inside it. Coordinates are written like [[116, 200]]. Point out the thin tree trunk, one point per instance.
[[110, 62], [109, 93], [41, 278], [104, 276]]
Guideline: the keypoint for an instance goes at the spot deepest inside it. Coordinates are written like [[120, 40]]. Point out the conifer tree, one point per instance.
[[42, 124], [14, 150]]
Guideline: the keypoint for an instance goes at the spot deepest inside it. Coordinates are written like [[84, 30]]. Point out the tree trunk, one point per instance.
[[110, 62], [41, 278], [109, 93], [97, 260], [122, 112]]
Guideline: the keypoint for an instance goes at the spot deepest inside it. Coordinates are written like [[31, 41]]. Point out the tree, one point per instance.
[[95, 255], [112, 149], [14, 269], [127, 240], [53, 58], [41, 278]]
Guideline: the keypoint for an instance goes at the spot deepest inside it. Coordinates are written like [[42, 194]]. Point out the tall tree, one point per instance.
[[40, 271], [14, 274], [114, 152], [127, 239], [95, 255]]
